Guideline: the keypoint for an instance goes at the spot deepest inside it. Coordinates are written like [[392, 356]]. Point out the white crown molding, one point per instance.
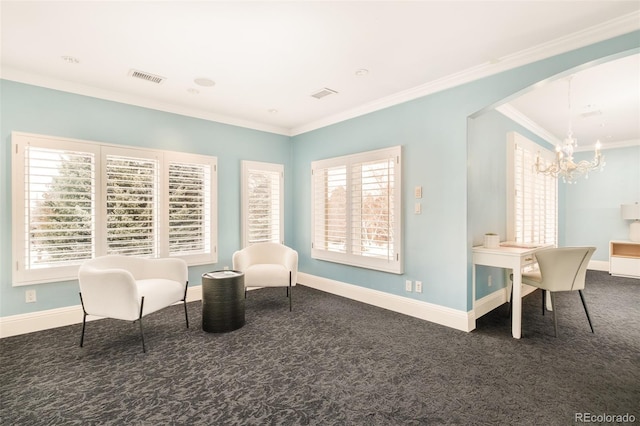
[[604, 31], [516, 115], [84, 90], [611, 145]]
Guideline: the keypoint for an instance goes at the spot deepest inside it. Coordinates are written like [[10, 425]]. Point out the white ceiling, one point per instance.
[[266, 55], [601, 103]]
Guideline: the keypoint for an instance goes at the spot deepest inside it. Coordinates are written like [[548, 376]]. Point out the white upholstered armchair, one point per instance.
[[128, 288], [268, 265]]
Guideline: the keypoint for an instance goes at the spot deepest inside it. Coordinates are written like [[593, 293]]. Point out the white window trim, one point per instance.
[[247, 166], [546, 155], [395, 264], [19, 140], [19, 225]]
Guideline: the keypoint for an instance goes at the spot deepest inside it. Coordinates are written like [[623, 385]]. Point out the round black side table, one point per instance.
[[222, 301]]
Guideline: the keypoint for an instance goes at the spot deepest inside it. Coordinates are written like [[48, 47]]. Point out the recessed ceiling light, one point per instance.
[[362, 72], [204, 82], [273, 111], [70, 59], [193, 91]]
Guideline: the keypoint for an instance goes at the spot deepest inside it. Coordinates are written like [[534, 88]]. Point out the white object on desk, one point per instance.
[[509, 255], [491, 240]]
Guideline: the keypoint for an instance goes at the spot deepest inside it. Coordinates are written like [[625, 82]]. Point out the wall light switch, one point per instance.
[[418, 192], [408, 285], [418, 208]]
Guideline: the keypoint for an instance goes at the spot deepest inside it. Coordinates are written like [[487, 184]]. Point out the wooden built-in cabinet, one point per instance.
[[624, 258]]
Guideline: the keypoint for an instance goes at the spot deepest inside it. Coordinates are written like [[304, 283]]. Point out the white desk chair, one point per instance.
[[560, 269]]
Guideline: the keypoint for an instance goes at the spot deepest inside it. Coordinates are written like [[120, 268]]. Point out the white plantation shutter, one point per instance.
[[189, 208], [59, 211], [74, 200], [372, 209], [263, 203], [330, 196], [532, 198], [132, 205], [356, 210], [53, 200]]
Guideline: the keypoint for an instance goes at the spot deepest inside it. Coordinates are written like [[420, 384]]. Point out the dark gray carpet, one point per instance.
[[333, 361]]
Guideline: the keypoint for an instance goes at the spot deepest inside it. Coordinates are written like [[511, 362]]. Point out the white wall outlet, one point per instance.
[[30, 296], [418, 208], [226, 268], [407, 285], [418, 286], [490, 281]]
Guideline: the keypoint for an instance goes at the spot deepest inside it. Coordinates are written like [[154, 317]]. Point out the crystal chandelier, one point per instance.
[[563, 165]]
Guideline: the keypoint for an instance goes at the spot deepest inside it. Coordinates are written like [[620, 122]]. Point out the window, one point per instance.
[[262, 203], [356, 211], [132, 185], [190, 208], [532, 204], [53, 208], [75, 200]]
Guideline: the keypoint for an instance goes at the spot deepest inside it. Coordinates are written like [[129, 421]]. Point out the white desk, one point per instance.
[[512, 256]]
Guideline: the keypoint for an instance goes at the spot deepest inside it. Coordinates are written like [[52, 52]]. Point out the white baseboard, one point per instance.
[[42, 320], [449, 317], [53, 318], [493, 300], [599, 265], [490, 302], [459, 320]]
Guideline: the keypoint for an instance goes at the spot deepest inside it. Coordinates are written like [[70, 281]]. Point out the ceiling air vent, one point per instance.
[[323, 92], [146, 76], [591, 113]]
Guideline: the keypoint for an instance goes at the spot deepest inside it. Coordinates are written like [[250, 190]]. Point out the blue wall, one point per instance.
[[592, 206], [432, 130], [33, 109], [427, 129], [487, 186], [588, 210]]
